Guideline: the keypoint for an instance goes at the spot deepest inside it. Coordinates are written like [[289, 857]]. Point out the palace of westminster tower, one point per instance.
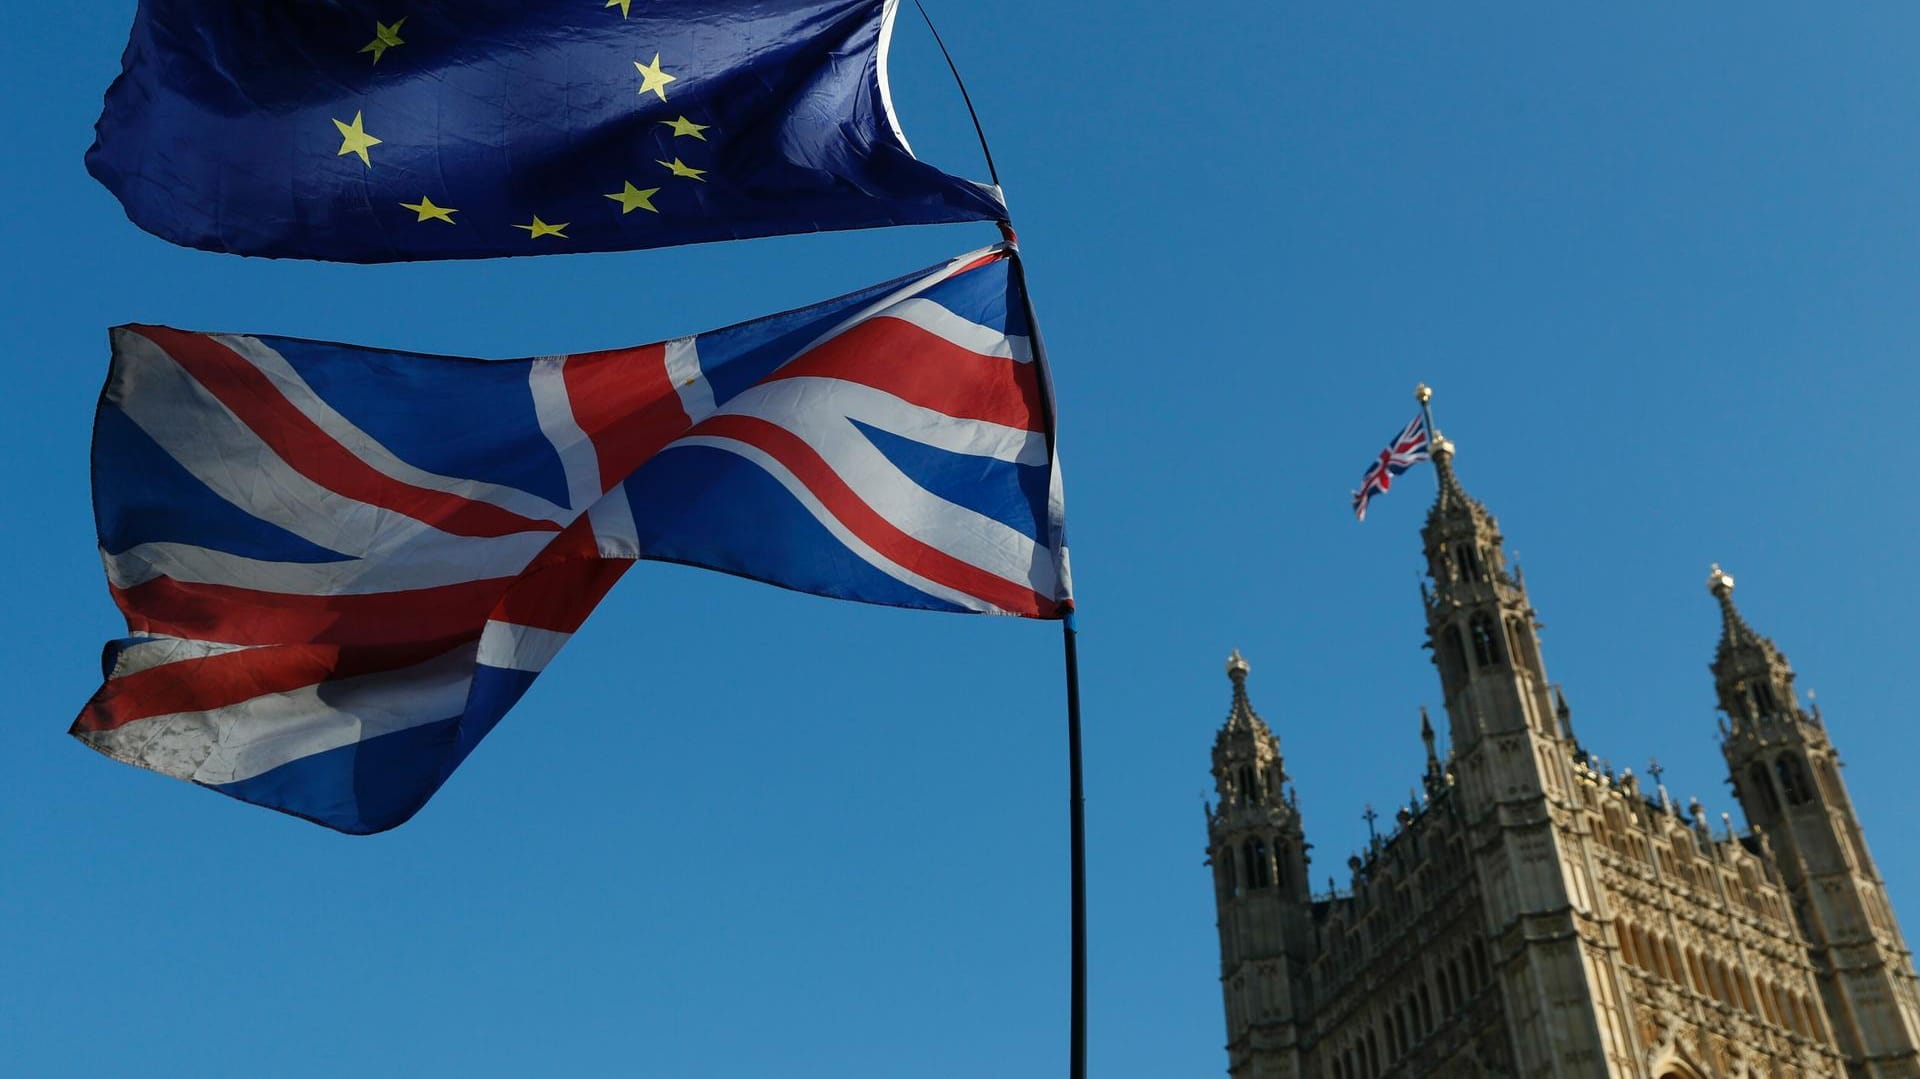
[[1533, 915]]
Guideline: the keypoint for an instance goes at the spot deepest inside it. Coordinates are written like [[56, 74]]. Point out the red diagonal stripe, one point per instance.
[[625, 403], [867, 523], [562, 586], [209, 682], [212, 612], [311, 451], [925, 369]]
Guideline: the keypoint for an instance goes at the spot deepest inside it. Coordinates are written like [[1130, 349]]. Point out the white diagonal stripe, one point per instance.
[[368, 449], [962, 332], [832, 524], [813, 410], [240, 741], [454, 565], [519, 648], [159, 651], [904, 292], [814, 397], [209, 441]]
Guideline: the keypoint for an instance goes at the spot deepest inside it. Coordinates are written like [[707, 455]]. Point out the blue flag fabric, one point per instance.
[[363, 131]]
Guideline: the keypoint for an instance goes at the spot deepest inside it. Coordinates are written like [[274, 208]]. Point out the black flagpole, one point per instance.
[[1076, 783], [1077, 843]]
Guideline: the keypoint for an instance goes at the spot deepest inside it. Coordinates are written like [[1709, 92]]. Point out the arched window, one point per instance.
[[1280, 864], [1829, 779], [1762, 785], [1486, 643], [1793, 780], [1763, 699], [1227, 882], [1768, 1002], [1453, 657], [1426, 1010], [1469, 561], [1519, 644], [1257, 874]]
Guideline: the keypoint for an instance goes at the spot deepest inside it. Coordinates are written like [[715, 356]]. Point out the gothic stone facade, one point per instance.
[[1533, 915]]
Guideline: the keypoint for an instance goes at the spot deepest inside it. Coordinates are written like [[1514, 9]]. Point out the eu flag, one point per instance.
[[392, 130]]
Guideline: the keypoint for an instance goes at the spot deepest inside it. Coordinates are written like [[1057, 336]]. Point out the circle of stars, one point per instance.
[[355, 140]]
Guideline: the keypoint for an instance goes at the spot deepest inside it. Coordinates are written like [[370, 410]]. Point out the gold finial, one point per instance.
[[1237, 666], [1719, 581], [1423, 393]]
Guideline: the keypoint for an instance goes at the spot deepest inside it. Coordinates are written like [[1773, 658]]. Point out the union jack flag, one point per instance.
[[1407, 449], [340, 567]]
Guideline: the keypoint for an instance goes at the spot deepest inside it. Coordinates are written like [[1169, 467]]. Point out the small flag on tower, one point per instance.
[[1408, 448]]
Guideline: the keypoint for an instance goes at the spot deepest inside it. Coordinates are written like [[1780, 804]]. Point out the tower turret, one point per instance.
[[1257, 848], [1511, 762], [1787, 776], [1480, 624]]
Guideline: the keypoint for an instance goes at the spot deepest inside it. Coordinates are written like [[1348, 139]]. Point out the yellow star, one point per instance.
[[684, 126], [540, 228], [681, 168], [384, 37], [633, 198], [623, 5], [429, 212], [355, 140], [652, 78]]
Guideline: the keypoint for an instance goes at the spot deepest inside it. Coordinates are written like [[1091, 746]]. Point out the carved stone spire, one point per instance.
[[1479, 624], [1453, 499], [1246, 756], [1738, 641], [1436, 777], [1786, 774], [1752, 676], [1244, 728], [1258, 852]]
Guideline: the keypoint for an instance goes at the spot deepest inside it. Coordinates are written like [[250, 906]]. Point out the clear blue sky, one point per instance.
[[1659, 261]]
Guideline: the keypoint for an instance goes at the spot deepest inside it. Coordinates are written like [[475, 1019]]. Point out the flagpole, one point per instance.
[[1077, 844], [1423, 393], [1076, 780]]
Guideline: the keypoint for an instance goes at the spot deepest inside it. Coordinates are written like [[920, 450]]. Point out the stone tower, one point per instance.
[[1509, 745], [1787, 777], [1258, 852], [1531, 914]]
